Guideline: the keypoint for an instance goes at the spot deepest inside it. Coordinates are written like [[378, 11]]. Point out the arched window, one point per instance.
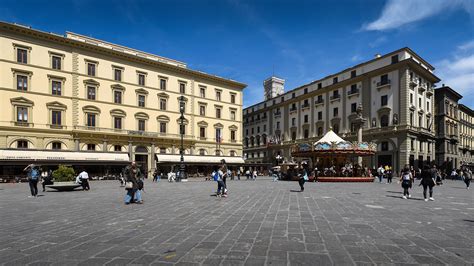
[[335, 128], [218, 152], [384, 121], [202, 152], [232, 153]]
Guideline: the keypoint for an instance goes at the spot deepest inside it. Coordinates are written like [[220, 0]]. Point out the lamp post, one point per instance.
[[182, 167], [278, 158]]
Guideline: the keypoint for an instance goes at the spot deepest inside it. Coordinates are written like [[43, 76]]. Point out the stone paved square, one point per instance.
[[260, 223]]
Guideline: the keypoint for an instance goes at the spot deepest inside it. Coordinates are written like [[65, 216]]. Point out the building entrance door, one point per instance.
[[385, 160]]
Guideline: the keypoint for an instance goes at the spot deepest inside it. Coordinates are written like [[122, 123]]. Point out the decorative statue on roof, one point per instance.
[[395, 119]]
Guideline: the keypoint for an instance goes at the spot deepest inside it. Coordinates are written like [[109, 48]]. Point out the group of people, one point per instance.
[[35, 175], [383, 172]]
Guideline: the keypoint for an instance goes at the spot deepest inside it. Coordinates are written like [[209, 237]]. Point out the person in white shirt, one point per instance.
[[83, 179]]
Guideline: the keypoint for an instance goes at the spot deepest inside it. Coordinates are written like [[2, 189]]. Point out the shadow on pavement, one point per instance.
[[395, 192], [397, 197], [292, 190]]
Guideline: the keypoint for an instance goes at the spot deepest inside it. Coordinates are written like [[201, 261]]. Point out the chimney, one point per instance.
[[443, 85], [377, 55]]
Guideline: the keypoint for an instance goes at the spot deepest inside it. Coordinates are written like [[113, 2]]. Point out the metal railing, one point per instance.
[[383, 82]]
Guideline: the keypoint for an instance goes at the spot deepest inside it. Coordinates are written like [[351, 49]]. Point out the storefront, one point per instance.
[[196, 166]]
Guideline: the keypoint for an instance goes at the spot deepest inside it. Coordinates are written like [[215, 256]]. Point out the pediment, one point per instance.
[[141, 91], [21, 101], [56, 104]]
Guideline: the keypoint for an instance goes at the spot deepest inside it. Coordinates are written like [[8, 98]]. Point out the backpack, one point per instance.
[[215, 176], [406, 177], [34, 174]]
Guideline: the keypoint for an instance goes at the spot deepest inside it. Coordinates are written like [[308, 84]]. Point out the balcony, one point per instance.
[[305, 106], [383, 83], [413, 83], [56, 126], [277, 114], [319, 102], [430, 92], [23, 124], [132, 132], [335, 97], [293, 109], [422, 88], [352, 92]]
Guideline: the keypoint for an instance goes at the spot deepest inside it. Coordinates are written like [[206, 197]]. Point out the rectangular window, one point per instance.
[[22, 56], [334, 80], [202, 92], [353, 107], [277, 126], [232, 135], [117, 122], [91, 120], [91, 147], [384, 79], [163, 84], [91, 94], [117, 96], [232, 115], [117, 148], [202, 110], [22, 83], [202, 132], [411, 98], [320, 98], [141, 100], [293, 121], [218, 113], [335, 112], [306, 119], [320, 86], [22, 144], [162, 104], [56, 145], [419, 103], [320, 115], [353, 74], [91, 69], [394, 59], [232, 98], [56, 117], [56, 62], [182, 88], [162, 150], [305, 90], [141, 79], [141, 125], [218, 95], [22, 114], [162, 127], [117, 74], [384, 100], [306, 133], [56, 87]]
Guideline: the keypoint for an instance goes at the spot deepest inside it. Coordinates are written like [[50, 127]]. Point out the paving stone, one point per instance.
[[261, 222]]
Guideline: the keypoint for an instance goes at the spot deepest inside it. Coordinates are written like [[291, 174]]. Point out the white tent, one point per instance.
[[330, 137]]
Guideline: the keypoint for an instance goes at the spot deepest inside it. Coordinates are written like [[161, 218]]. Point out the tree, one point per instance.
[[64, 173]]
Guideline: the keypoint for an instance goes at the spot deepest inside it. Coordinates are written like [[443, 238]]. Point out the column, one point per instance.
[[76, 145], [130, 151], [104, 145], [153, 162]]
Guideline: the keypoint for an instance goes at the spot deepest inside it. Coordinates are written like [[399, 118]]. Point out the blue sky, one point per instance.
[[300, 41]]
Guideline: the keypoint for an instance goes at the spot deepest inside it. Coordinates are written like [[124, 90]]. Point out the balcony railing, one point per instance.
[[383, 83], [306, 105], [335, 97], [293, 109], [23, 124], [352, 92], [132, 132], [277, 114], [319, 101]]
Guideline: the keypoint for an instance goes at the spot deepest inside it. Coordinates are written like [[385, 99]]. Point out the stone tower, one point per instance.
[[273, 87]]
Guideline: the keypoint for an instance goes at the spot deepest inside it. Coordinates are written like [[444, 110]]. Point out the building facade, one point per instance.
[[396, 92], [466, 135], [79, 94]]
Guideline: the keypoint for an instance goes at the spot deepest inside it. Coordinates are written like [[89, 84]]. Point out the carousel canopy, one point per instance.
[[330, 137]]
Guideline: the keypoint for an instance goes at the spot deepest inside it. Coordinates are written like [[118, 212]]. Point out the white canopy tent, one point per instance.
[[330, 137]]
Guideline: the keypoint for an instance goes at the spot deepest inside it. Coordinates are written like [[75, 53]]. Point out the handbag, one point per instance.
[[128, 185]]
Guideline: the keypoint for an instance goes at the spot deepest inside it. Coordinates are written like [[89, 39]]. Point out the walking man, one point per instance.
[[132, 175], [380, 173], [33, 174], [428, 177], [467, 176]]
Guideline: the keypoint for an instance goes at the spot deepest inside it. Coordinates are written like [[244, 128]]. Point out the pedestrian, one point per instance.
[[247, 173], [406, 178], [238, 174], [33, 175], [225, 173], [454, 174], [132, 175], [389, 175], [254, 176], [47, 179], [428, 178], [380, 173], [156, 175], [467, 176], [303, 176], [83, 179], [217, 175]]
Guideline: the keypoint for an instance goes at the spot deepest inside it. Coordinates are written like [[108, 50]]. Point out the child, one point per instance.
[[406, 178]]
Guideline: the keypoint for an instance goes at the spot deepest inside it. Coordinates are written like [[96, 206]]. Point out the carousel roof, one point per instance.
[[330, 137]]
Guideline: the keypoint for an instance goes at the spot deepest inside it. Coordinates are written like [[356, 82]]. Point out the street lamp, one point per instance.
[[278, 159], [182, 167]]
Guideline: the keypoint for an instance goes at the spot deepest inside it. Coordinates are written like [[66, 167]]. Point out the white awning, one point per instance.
[[173, 158], [32, 155]]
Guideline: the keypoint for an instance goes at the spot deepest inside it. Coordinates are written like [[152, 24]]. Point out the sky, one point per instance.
[[249, 41]]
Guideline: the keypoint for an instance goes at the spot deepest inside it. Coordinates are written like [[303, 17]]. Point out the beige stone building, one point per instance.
[[396, 91], [74, 94]]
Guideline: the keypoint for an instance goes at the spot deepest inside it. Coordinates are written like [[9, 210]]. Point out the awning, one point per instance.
[[193, 159], [62, 156]]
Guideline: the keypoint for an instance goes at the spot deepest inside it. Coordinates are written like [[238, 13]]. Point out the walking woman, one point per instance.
[[133, 175], [303, 175], [467, 176], [406, 178], [428, 177]]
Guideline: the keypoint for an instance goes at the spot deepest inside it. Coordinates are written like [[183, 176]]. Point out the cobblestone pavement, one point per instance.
[[261, 222]]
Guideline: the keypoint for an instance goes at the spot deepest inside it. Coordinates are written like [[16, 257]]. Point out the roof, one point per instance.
[[466, 109], [330, 137], [136, 55], [447, 90]]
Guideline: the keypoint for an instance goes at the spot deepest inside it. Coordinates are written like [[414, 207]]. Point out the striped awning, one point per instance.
[[62, 156], [193, 159]]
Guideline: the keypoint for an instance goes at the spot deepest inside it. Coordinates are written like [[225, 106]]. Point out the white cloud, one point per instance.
[[457, 71], [356, 58], [400, 12]]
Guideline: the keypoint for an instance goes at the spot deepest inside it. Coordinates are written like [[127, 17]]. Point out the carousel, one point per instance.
[[335, 159]]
